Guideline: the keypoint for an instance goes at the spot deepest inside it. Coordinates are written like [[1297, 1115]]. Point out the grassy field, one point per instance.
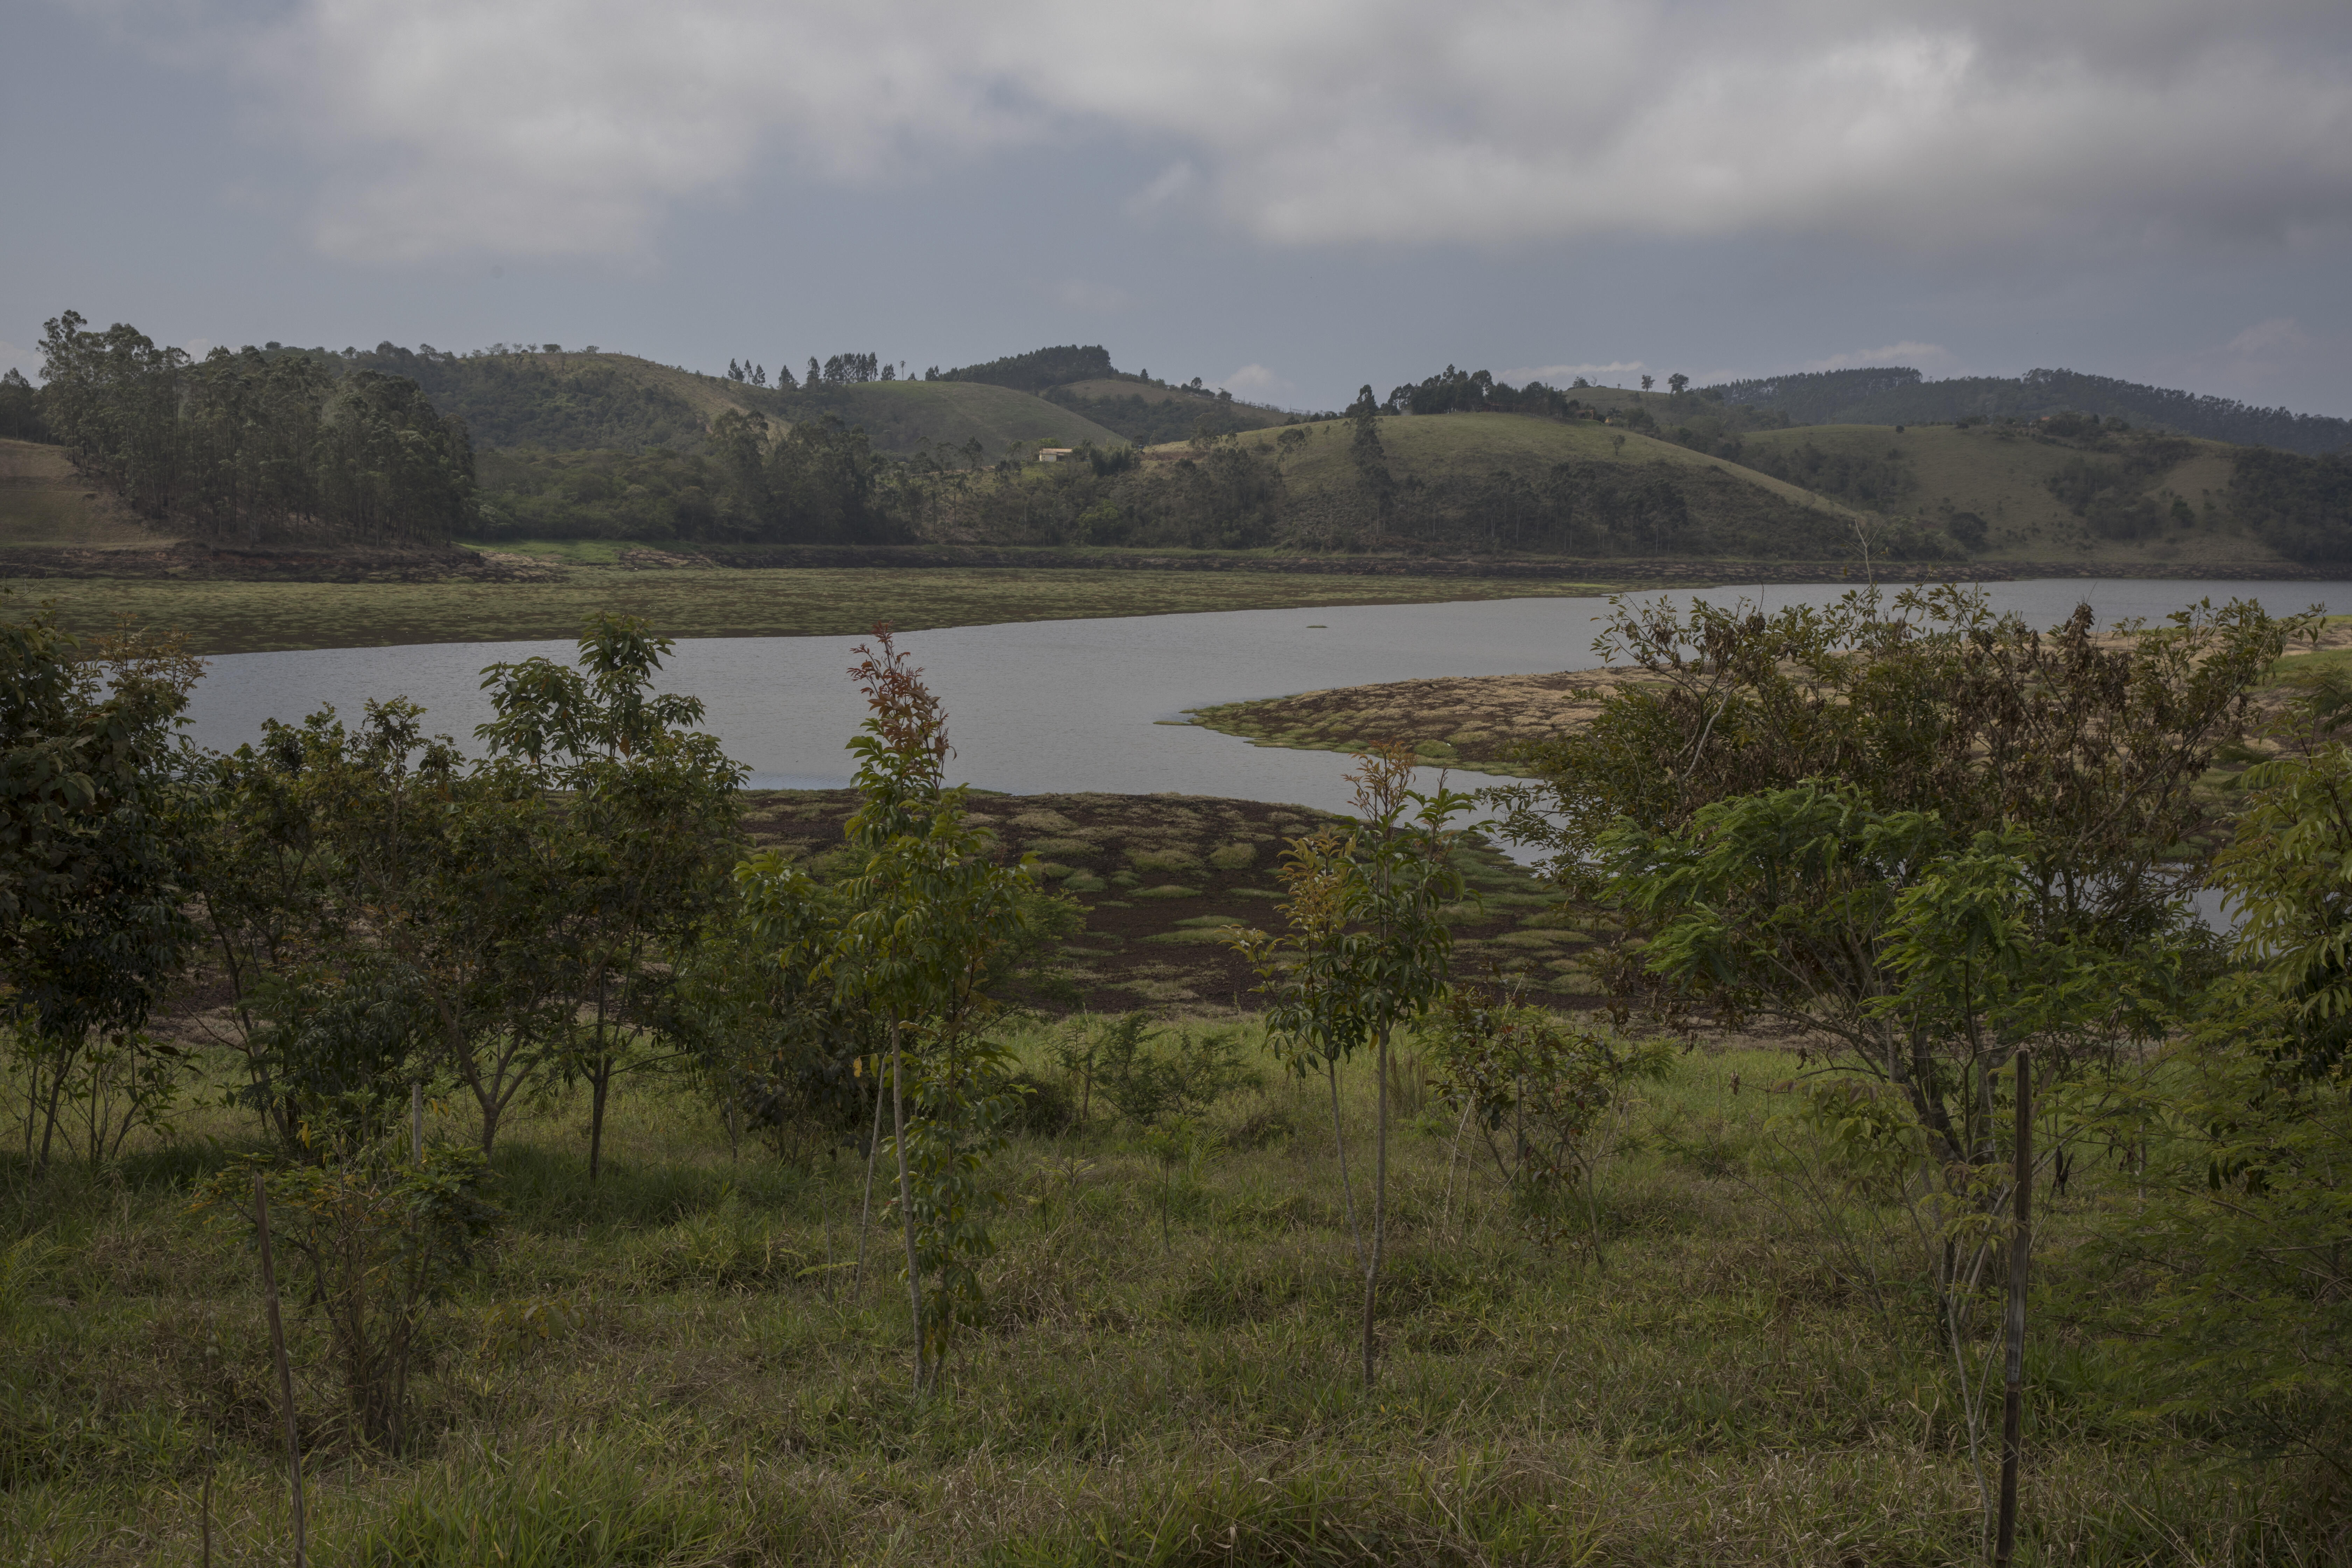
[[1241, 414], [1471, 446], [2004, 478], [670, 1368], [250, 617], [44, 504], [712, 395], [901, 415]]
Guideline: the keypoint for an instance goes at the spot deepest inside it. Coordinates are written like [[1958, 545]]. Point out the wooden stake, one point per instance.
[[285, 1371], [2020, 1252]]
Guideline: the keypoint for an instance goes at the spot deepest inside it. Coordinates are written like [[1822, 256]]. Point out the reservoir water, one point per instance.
[[1080, 705]]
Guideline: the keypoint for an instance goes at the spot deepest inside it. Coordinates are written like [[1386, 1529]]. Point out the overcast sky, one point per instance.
[[1286, 197]]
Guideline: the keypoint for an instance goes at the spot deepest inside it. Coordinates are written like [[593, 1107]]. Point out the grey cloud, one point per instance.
[[558, 127]]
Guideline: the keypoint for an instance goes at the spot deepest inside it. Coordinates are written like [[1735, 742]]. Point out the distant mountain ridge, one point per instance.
[[1900, 395]]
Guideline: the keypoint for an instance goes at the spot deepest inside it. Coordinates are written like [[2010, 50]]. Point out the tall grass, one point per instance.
[[662, 1370]]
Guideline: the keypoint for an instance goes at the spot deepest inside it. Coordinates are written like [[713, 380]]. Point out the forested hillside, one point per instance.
[[563, 402], [249, 445], [1900, 395], [382, 446], [1036, 370], [907, 419]]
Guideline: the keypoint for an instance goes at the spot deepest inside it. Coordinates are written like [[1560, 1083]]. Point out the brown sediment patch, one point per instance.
[[1470, 721], [1160, 883]]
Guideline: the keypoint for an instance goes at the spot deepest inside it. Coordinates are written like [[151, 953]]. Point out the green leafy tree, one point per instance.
[[1367, 950], [1370, 459], [2231, 1289], [925, 929], [249, 444], [322, 1028], [97, 808], [1923, 958], [642, 809], [462, 874], [2094, 743]]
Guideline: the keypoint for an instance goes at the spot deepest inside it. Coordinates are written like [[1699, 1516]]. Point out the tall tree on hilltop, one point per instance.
[[1369, 458]]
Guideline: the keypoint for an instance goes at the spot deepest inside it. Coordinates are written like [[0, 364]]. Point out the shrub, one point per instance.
[[384, 1241]]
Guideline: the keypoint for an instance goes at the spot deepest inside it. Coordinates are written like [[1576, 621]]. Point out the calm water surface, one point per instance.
[[1074, 705]]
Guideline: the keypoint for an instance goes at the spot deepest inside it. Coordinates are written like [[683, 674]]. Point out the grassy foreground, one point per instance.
[[253, 617], [668, 1368]]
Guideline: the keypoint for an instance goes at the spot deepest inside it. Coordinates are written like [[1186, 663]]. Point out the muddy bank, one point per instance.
[[190, 562], [1162, 881], [196, 561]]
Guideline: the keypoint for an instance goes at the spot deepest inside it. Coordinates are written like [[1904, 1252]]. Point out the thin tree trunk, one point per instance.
[[1452, 1154], [906, 1202], [416, 1120], [1346, 1188], [600, 1083], [866, 1210], [49, 1116], [2020, 1254], [1380, 1207], [285, 1371]]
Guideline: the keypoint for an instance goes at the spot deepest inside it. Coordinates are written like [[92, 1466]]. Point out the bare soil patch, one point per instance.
[[1474, 720], [1164, 880]]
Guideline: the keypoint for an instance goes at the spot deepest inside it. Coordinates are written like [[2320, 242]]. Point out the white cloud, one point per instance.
[[1255, 383], [2280, 333], [1923, 357], [550, 127]]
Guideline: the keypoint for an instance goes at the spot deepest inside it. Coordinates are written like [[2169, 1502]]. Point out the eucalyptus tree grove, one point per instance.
[[250, 446]]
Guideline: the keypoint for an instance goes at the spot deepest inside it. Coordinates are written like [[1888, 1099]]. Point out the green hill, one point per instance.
[[1898, 394], [567, 402], [1514, 482], [1148, 414], [1039, 369], [903, 416], [2132, 498]]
